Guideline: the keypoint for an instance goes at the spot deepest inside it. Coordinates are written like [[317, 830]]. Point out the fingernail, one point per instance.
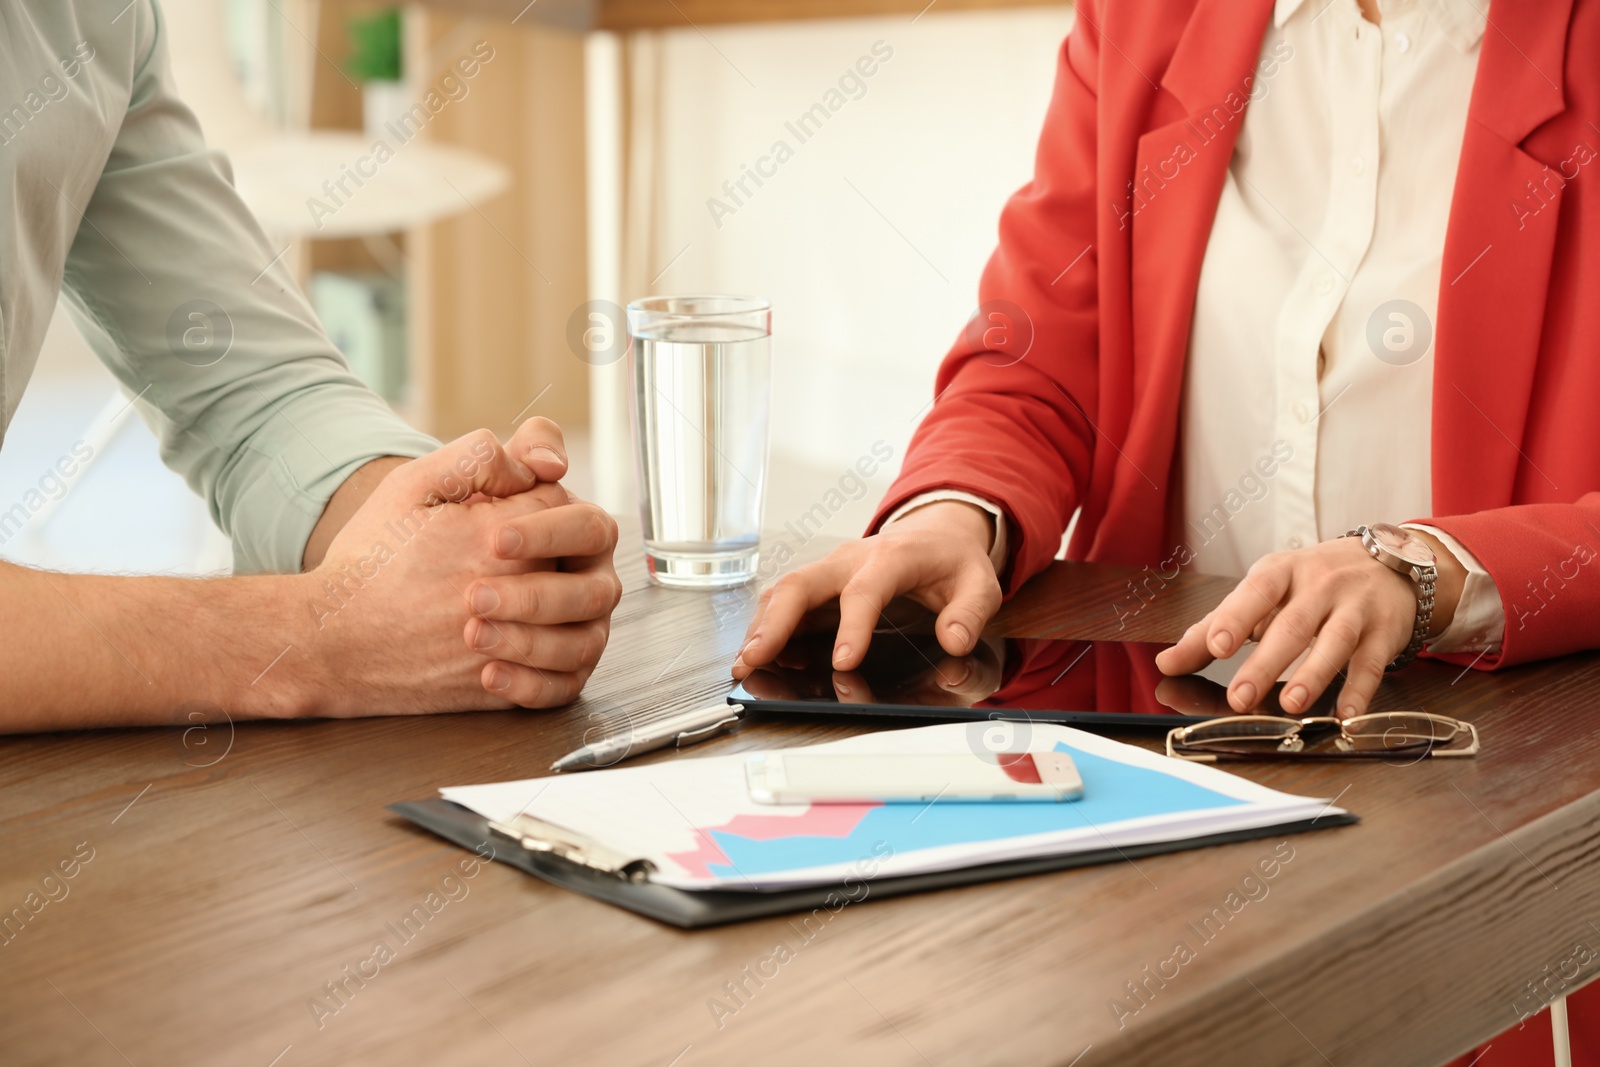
[[499, 679], [748, 645], [486, 638], [1222, 642], [738, 665], [840, 655], [507, 541], [1246, 694], [962, 637], [484, 600], [545, 452], [1295, 698], [841, 688], [960, 675]]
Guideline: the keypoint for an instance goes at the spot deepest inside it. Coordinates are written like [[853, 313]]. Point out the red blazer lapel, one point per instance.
[[1177, 179], [1169, 201], [1496, 271]]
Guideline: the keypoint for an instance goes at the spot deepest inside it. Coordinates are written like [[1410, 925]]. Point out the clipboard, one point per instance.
[[570, 861]]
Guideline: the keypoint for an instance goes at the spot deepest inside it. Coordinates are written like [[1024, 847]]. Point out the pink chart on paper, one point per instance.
[[818, 820]]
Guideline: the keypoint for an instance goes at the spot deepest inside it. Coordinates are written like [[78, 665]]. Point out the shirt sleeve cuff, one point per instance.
[[273, 514], [997, 548], [1480, 621]]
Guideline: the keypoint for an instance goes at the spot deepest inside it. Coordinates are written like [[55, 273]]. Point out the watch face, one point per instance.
[[1402, 543]]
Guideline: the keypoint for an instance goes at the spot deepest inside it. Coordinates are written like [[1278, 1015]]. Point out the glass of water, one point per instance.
[[702, 391]]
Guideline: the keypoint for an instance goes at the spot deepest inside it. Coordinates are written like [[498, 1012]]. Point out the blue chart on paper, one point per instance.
[[842, 834]]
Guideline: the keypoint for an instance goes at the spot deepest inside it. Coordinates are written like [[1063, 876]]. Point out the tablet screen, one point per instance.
[[1045, 680]]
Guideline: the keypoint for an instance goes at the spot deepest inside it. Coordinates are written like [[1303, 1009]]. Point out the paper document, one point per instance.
[[694, 819]]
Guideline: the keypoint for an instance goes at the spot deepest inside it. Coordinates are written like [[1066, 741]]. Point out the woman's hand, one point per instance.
[[938, 555], [954, 681], [1352, 612]]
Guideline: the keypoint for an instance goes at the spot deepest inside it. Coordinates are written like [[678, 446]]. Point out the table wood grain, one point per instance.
[[234, 871]]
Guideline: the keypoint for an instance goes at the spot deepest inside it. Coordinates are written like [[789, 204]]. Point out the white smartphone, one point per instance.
[[826, 778]]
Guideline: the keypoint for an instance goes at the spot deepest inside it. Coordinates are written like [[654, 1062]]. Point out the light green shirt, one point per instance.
[[110, 199]]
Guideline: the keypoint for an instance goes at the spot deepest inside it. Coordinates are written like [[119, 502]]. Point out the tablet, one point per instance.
[[1080, 683]]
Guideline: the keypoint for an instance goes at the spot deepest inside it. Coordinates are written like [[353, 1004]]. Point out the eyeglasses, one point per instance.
[[1383, 735]]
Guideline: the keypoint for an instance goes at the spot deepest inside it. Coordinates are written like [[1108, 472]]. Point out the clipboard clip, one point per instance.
[[536, 835]]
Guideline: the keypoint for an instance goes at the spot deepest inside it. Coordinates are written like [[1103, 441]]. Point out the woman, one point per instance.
[[1285, 270]]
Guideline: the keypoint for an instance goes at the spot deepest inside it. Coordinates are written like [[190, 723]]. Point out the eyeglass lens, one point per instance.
[[1382, 732]]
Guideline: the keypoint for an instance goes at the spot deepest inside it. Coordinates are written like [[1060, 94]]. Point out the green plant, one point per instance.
[[375, 47]]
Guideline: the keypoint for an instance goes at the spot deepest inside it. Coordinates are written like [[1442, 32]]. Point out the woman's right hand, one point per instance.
[[937, 555]]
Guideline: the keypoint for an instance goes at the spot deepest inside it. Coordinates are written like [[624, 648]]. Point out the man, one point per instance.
[[1249, 221], [435, 579]]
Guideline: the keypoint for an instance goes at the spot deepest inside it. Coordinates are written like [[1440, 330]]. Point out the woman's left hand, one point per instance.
[[1351, 611]]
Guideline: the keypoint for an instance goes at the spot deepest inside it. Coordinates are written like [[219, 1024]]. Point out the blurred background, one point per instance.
[[542, 164]]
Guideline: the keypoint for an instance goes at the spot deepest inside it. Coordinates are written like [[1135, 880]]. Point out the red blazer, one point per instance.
[[1077, 405]]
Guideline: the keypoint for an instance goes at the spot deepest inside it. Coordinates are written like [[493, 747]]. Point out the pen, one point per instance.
[[682, 729]]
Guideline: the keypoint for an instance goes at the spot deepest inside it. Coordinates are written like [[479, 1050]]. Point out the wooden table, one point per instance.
[[231, 878]]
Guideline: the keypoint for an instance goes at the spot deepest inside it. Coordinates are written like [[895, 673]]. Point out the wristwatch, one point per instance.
[[1401, 550]]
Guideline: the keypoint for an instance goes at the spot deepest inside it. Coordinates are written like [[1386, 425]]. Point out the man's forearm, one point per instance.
[[379, 627], [346, 500], [91, 650]]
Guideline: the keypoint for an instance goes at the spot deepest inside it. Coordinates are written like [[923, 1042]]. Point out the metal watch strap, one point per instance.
[[1419, 629], [1425, 579]]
